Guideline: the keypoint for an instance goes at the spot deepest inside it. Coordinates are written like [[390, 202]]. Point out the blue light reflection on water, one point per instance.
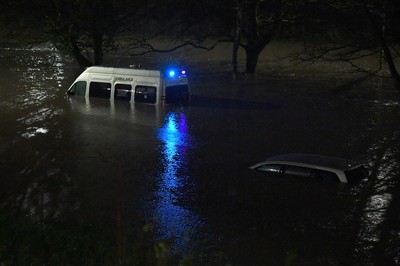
[[174, 221]]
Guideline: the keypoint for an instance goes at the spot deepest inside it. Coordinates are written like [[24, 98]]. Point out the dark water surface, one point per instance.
[[99, 182]]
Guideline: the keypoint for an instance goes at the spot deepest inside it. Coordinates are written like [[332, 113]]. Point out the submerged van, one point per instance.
[[135, 85]]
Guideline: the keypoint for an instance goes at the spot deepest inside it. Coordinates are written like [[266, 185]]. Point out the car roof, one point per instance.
[[314, 160]]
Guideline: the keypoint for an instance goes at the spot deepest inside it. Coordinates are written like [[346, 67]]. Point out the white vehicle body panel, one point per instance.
[[334, 165], [134, 79]]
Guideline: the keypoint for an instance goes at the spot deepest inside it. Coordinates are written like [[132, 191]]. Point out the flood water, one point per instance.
[[89, 181]]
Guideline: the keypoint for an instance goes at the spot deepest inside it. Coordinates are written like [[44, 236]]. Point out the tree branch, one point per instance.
[[151, 49]]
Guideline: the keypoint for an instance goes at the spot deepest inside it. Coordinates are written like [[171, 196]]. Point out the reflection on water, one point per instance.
[[30, 79], [175, 221], [130, 113], [33, 131], [379, 198], [374, 216]]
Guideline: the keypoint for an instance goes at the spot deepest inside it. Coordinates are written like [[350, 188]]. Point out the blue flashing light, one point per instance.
[[171, 73], [174, 73]]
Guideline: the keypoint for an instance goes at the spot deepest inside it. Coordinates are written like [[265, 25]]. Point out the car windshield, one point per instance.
[[271, 168], [356, 174]]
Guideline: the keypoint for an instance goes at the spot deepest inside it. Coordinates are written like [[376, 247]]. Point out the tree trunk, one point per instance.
[[236, 37], [379, 31], [392, 67], [251, 59], [236, 42], [98, 30], [98, 49], [76, 52], [257, 34], [234, 57]]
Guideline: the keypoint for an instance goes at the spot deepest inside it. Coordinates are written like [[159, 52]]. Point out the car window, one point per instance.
[[326, 175], [271, 168], [123, 92], [79, 88], [297, 171], [145, 94], [99, 89]]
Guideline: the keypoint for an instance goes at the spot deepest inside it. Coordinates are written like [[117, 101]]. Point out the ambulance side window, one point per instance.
[[123, 92], [100, 90], [145, 94], [79, 88]]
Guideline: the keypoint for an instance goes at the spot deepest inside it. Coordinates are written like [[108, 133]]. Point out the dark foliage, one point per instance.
[[90, 29]]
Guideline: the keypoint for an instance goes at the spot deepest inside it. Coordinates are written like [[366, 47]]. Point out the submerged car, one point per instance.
[[314, 166]]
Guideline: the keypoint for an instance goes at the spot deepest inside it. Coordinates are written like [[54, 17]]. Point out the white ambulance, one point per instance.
[[135, 85]]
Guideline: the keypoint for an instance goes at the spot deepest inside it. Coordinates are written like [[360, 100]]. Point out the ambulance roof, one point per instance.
[[122, 71]]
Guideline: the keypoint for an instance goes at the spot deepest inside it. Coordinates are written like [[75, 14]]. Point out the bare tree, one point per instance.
[[378, 14], [352, 30], [250, 24], [199, 24], [257, 22], [89, 29]]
